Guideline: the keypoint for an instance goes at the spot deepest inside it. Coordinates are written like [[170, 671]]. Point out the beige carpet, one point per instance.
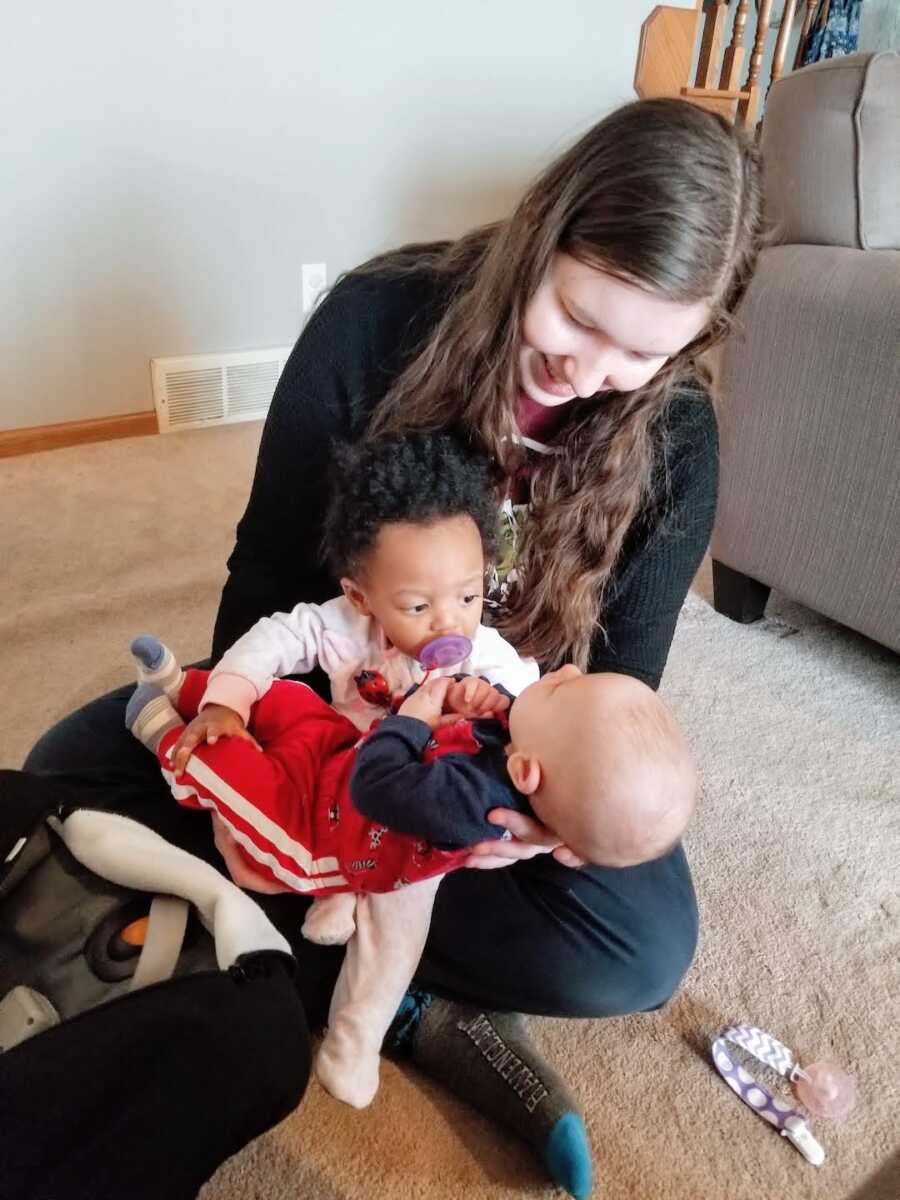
[[796, 852]]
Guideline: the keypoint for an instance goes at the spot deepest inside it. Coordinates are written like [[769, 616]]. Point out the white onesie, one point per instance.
[[344, 643]]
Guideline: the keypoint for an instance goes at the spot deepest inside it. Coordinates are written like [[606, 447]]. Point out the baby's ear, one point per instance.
[[356, 596], [525, 772]]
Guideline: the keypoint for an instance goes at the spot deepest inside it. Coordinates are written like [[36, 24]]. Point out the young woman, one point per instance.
[[565, 341]]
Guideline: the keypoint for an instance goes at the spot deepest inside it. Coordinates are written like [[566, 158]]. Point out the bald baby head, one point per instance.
[[608, 768]]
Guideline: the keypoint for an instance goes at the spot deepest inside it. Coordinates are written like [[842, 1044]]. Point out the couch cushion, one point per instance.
[[809, 501], [831, 145]]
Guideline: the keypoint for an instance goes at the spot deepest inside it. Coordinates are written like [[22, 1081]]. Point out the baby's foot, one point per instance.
[[149, 715], [157, 664], [347, 1069], [330, 920]]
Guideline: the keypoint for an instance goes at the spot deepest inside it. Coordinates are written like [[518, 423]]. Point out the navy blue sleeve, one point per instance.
[[446, 801]]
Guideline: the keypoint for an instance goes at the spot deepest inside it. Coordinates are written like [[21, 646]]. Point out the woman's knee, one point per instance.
[[660, 964], [643, 937], [49, 752], [542, 939], [85, 738], [607, 988]]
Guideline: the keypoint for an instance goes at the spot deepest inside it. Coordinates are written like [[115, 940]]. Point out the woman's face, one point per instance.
[[586, 332]]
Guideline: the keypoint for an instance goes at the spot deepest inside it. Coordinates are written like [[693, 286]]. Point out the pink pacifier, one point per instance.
[[822, 1089], [445, 651], [825, 1090]]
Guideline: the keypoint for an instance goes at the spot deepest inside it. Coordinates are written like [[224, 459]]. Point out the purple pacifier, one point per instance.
[[445, 651]]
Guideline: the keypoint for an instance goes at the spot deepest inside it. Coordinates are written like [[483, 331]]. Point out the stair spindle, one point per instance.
[[749, 105], [784, 33], [729, 80]]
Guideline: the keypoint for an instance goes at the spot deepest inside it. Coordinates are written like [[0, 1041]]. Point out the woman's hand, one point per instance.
[[473, 698], [525, 838], [213, 722]]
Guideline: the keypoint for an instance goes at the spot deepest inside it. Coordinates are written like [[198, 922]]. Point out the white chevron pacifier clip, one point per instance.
[[822, 1088]]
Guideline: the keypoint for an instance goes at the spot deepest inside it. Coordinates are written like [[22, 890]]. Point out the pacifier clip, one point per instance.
[[822, 1088]]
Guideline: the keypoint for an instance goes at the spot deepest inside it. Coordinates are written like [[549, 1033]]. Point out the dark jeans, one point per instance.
[[536, 937]]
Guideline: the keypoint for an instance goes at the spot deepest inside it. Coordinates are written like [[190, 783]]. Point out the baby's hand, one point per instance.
[[474, 698], [427, 702], [208, 726]]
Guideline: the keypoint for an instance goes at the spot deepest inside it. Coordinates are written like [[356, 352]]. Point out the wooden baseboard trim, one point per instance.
[[75, 433]]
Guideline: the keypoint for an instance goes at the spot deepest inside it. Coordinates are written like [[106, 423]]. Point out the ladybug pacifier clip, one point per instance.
[[823, 1089], [444, 651]]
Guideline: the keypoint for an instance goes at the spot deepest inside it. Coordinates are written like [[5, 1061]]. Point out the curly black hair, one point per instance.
[[417, 478]]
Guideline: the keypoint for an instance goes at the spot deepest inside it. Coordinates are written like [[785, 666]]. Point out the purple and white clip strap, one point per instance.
[[790, 1122]]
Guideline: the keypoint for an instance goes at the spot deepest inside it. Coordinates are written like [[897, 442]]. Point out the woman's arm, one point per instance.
[[275, 561], [355, 344], [662, 555]]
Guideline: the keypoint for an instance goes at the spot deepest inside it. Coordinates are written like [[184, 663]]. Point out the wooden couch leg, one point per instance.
[[738, 596]]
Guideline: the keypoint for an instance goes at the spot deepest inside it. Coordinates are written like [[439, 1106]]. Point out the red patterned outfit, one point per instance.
[[287, 812]]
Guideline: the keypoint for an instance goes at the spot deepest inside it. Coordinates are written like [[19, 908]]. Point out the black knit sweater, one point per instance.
[[356, 343]]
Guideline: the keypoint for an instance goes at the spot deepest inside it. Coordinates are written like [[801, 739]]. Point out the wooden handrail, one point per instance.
[[669, 40]]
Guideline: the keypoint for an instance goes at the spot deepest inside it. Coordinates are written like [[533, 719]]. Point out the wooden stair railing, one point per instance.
[[748, 105], [733, 61], [668, 40], [711, 46], [781, 44]]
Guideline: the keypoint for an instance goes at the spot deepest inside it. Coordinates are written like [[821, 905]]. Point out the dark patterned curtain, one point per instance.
[[835, 30]]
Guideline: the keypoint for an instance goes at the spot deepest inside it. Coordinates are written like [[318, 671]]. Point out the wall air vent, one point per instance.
[[215, 389]]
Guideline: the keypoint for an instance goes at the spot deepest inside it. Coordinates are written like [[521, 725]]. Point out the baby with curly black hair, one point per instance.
[[411, 524]]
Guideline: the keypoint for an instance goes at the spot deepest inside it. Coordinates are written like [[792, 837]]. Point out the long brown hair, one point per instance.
[[661, 194]]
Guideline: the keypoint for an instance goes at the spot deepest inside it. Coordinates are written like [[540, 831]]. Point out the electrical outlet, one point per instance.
[[313, 280]]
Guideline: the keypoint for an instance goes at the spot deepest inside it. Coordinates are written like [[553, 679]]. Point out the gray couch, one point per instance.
[[810, 421]]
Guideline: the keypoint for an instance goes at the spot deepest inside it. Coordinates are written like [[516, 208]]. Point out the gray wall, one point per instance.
[[879, 25], [169, 166]]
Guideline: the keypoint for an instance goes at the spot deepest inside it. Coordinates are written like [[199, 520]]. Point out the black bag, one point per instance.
[[133, 1093]]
